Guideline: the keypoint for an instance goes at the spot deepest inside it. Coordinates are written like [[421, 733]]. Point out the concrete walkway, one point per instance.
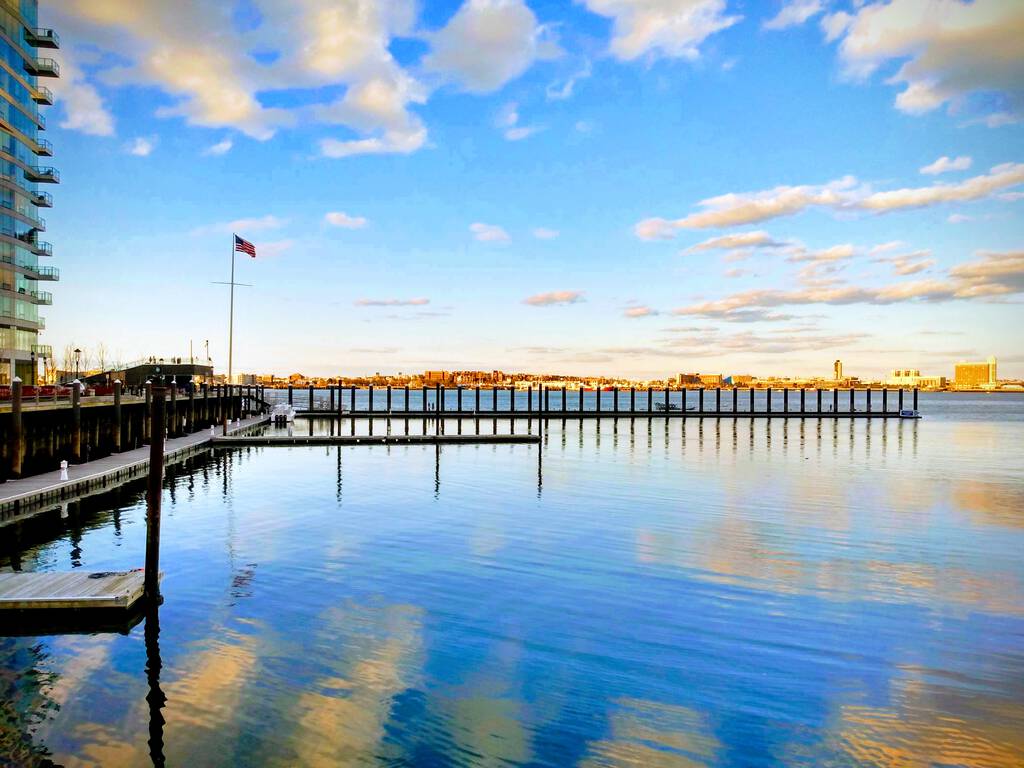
[[19, 497]]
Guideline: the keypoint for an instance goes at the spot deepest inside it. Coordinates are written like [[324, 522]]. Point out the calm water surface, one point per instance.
[[706, 592]]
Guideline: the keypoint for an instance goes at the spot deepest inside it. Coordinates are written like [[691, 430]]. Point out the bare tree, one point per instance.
[[101, 356]]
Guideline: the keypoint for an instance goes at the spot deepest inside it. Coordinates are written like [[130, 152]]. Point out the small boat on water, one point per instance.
[[910, 413], [669, 407]]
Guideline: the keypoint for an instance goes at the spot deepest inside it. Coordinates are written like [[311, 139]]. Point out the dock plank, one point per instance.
[[36, 591]]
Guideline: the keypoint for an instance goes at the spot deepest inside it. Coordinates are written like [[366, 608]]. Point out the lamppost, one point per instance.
[[78, 358]]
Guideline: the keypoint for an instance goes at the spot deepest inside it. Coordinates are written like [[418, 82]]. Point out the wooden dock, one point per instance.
[[67, 591], [293, 440], [23, 498]]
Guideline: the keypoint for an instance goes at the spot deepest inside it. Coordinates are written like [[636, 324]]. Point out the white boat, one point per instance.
[[909, 413]]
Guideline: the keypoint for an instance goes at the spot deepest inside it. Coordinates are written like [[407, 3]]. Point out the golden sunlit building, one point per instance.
[[971, 375]]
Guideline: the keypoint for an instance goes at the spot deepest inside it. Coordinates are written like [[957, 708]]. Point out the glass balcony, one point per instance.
[[42, 174], [41, 249], [43, 350], [43, 68], [42, 199], [42, 95], [42, 38], [44, 148], [47, 273]]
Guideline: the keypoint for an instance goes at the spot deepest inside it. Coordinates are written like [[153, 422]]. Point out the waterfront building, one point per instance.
[[911, 377], [973, 375], [837, 370], [683, 379], [711, 379], [22, 170]]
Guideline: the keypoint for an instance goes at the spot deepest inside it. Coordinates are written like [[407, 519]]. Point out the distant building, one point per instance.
[[684, 379], [435, 377], [711, 379], [837, 370], [971, 375], [911, 377], [742, 380]]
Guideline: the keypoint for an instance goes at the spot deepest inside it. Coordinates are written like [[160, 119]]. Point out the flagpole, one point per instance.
[[231, 317]]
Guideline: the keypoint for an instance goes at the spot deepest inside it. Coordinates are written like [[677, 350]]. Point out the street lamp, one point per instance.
[[78, 358]]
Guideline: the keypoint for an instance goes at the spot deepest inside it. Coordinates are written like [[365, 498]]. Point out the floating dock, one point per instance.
[[118, 590], [287, 440]]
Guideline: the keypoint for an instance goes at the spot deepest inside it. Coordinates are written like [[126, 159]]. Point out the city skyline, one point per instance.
[[498, 184]]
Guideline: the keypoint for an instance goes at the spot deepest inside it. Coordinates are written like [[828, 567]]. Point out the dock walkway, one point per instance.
[[291, 440], [22, 498], [69, 591]]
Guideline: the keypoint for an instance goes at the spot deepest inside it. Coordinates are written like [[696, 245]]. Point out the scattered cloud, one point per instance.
[[241, 226], [417, 302], [892, 245], [488, 43], [958, 218], [343, 220], [833, 253], [966, 56], [793, 13], [543, 233], [583, 126], [508, 122], [844, 195], [560, 90], [946, 165], [84, 109], [736, 272], [909, 263], [222, 147], [642, 311], [756, 239], [554, 297], [991, 274], [488, 233], [671, 28], [273, 248], [141, 146]]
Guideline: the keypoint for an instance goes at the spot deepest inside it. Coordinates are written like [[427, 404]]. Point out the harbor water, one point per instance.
[[631, 592]]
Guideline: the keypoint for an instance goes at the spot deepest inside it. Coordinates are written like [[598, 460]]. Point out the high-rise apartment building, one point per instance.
[[971, 375], [23, 168], [837, 370]]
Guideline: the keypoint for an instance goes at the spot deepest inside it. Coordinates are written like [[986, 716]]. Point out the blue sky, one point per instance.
[[526, 186]]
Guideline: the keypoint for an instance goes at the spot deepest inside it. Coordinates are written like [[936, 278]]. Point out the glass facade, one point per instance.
[[24, 171]]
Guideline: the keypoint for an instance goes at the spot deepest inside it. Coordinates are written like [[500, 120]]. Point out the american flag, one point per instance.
[[245, 246]]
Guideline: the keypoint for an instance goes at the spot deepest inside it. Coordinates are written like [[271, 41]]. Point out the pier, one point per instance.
[[442, 439], [560, 403]]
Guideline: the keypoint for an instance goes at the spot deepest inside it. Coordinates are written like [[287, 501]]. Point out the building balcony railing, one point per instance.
[[41, 249], [42, 95], [36, 221], [43, 148], [42, 174], [43, 68], [28, 240], [34, 271], [42, 351], [41, 199], [36, 297], [42, 38], [51, 274]]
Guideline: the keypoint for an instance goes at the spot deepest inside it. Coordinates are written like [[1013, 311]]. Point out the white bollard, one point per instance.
[[212, 432], [63, 470]]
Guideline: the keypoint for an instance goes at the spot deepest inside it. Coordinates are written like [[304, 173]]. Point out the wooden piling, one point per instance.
[[785, 399], [291, 393], [494, 398], [901, 399], [407, 409], [803, 400], [597, 397], [700, 401], [310, 397], [476, 402], [869, 399], [751, 399], [718, 399], [458, 398], [529, 398], [331, 392], [915, 398], [153, 498], [192, 407], [352, 400], [615, 399], [439, 397], [835, 399], [853, 405], [17, 438], [769, 391], [387, 400], [76, 424], [735, 399], [885, 399], [632, 399], [581, 399], [667, 400], [116, 427], [172, 412]]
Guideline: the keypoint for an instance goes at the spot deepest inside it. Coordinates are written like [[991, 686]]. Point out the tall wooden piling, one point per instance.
[[869, 399], [835, 399], [331, 394], [352, 400], [581, 399], [667, 400], [116, 426], [751, 399], [632, 399], [439, 397], [494, 398], [700, 400], [819, 399], [769, 391], [17, 438], [172, 413], [76, 423], [885, 399], [476, 399], [291, 394], [718, 399], [735, 399], [852, 402], [192, 407], [803, 400], [369, 398], [915, 398], [147, 415], [785, 399], [153, 498], [615, 399], [597, 397], [901, 399], [529, 398], [310, 397], [387, 399], [458, 398]]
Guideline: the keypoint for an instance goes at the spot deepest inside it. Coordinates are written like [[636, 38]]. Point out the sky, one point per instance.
[[617, 187]]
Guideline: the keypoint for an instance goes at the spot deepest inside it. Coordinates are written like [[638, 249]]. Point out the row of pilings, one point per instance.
[[36, 436]]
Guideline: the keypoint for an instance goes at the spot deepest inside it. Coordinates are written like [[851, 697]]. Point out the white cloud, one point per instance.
[[948, 52], [488, 43], [241, 226], [84, 109], [141, 146], [945, 165], [756, 239], [846, 195], [562, 90], [909, 263], [635, 312], [222, 147], [195, 53], [543, 233], [343, 220], [507, 121], [673, 28], [793, 13], [271, 249], [833, 253], [958, 218], [417, 302], [488, 233], [554, 297]]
